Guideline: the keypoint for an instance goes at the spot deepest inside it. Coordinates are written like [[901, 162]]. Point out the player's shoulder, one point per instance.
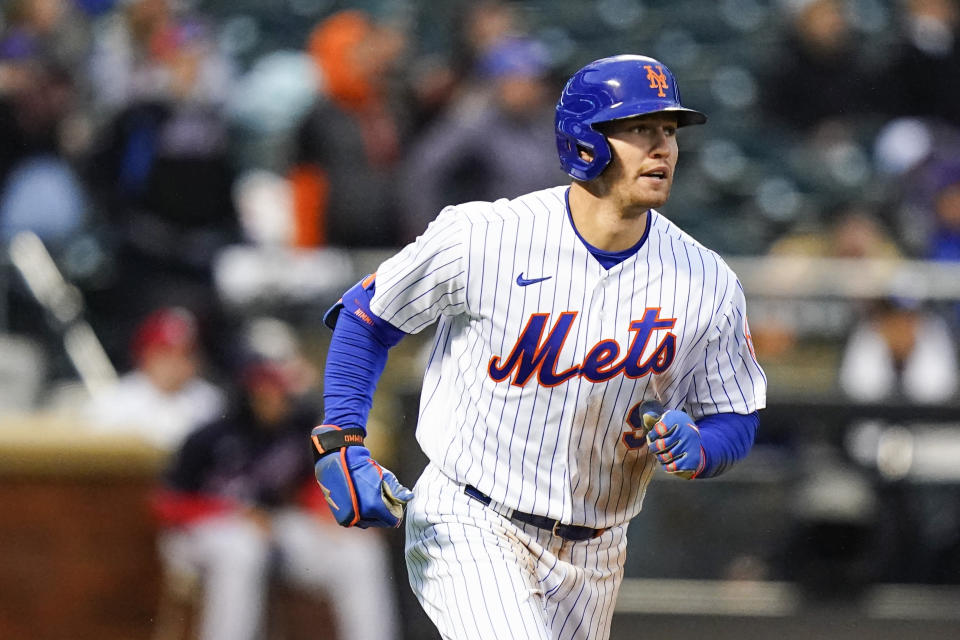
[[679, 240], [506, 211]]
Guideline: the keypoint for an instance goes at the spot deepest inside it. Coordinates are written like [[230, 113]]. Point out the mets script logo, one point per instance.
[[657, 78], [535, 355]]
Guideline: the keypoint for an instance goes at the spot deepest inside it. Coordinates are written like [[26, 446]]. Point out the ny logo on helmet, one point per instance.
[[658, 79]]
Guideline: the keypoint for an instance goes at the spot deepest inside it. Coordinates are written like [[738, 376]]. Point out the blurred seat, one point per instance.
[[23, 368], [292, 614]]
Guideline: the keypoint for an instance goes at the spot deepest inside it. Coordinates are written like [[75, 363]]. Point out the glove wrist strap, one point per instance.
[[334, 439]]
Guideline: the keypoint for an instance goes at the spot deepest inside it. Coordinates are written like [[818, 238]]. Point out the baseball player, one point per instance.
[[567, 319]]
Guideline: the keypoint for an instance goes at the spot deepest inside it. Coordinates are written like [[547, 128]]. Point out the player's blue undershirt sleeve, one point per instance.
[[726, 438], [356, 358]]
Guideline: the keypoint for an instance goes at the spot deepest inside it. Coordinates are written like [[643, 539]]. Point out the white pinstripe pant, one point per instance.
[[480, 576]]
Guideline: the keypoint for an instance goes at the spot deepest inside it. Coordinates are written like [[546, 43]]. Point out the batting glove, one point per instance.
[[675, 441], [359, 491]]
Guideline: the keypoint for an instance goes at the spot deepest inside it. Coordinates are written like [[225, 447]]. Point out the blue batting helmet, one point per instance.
[[611, 89]]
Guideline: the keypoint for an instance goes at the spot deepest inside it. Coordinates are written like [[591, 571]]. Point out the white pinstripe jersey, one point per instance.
[[541, 353]]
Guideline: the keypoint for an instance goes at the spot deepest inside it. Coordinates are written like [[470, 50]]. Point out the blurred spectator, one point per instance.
[[42, 194], [164, 398], [919, 160], [266, 107], [55, 27], [925, 202], [164, 173], [264, 203], [241, 507], [276, 340], [437, 78], [858, 233], [164, 157], [900, 352], [924, 73], [820, 75], [147, 51], [852, 230], [39, 189], [123, 66], [944, 243], [498, 143], [349, 145], [482, 27]]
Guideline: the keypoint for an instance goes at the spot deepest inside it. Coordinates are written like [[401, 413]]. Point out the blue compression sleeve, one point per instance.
[[355, 361], [726, 438], [357, 356]]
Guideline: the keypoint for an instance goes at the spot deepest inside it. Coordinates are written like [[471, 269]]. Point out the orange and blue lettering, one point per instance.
[[534, 355], [529, 356]]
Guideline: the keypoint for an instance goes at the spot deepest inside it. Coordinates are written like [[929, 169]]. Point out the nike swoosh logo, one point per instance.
[[525, 281]]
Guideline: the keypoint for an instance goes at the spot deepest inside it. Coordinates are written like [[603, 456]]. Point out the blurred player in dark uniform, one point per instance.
[[240, 507]]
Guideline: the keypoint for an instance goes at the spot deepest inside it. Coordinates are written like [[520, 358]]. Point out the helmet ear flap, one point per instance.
[[574, 137], [611, 89]]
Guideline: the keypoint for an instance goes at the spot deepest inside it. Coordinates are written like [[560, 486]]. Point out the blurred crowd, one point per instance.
[[138, 146], [141, 139]]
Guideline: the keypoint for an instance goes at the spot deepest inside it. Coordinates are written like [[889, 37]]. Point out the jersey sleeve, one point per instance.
[[427, 278], [727, 377]]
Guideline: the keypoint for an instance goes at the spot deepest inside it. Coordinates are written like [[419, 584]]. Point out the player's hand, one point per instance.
[[675, 441], [359, 491]]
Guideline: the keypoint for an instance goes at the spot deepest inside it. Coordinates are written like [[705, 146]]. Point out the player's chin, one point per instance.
[[654, 187], [653, 198]]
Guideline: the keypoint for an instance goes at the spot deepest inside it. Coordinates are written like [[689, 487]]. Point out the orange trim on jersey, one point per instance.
[[613, 364], [533, 355], [566, 372], [366, 281], [496, 360], [538, 356], [660, 354]]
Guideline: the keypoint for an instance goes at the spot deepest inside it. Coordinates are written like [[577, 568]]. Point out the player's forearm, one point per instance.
[[355, 362], [726, 438]]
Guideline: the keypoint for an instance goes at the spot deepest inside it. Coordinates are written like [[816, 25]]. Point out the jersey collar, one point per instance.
[[608, 259]]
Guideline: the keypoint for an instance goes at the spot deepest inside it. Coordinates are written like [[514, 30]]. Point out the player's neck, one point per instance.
[[603, 223]]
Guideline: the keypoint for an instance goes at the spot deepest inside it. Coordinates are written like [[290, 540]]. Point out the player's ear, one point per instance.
[[585, 154]]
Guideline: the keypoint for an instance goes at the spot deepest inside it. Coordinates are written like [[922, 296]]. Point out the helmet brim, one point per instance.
[[685, 117]]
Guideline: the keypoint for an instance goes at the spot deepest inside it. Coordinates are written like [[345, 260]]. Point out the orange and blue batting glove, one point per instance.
[[675, 441], [359, 491]]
